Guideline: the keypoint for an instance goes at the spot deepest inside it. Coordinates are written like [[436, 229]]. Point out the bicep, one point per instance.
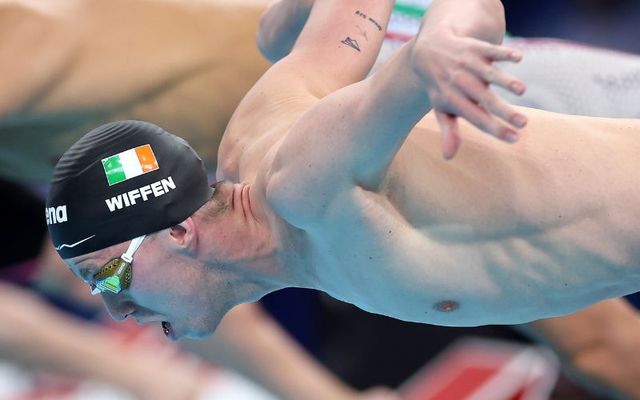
[[350, 137]]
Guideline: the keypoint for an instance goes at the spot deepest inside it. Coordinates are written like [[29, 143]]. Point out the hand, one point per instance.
[[171, 379], [457, 72], [379, 393]]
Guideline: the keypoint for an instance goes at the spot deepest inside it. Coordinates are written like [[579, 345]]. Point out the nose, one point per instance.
[[118, 309]]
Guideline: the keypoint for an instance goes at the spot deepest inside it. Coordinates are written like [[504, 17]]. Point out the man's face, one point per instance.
[[165, 288]]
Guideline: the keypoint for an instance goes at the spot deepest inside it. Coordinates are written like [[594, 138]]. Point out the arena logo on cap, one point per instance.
[[129, 164], [56, 215]]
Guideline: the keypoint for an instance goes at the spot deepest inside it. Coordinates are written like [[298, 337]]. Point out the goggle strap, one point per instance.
[[133, 246]]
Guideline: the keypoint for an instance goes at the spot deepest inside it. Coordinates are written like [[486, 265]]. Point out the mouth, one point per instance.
[[168, 330]]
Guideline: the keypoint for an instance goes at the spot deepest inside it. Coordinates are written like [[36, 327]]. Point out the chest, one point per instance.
[[365, 253]]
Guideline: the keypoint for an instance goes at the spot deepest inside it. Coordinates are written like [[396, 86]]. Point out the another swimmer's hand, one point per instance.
[[379, 393], [457, 72]]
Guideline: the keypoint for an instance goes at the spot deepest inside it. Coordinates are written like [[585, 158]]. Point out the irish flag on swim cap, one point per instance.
[[129, 164]]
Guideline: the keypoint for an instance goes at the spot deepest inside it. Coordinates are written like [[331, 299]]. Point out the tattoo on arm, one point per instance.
[[362, 32], [373, 21], [351, 43]]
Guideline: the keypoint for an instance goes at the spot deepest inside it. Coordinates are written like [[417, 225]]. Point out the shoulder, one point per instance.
[[301, 195]]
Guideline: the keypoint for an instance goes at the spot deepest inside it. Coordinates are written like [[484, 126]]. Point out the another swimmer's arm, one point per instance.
[[36, 49], [600, 345], [36, 335], [249, 341], [69, 57]]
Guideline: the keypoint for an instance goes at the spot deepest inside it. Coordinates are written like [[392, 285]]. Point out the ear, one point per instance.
[[185, 235]]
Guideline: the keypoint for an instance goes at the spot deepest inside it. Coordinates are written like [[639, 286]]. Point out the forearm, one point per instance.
[[31, 61], [250, 342], [339, 43], [36, 335], [600, 345], [68, 56], [185, 65], [79, 351]]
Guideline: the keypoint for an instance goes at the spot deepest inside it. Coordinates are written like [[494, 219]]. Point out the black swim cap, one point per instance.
[[122, 180]]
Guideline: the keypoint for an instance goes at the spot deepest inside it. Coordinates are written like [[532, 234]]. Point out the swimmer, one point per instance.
[[194, 120], [390, 231]]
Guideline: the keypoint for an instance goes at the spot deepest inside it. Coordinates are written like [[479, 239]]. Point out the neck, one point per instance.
[[281, 247], [267, 253]]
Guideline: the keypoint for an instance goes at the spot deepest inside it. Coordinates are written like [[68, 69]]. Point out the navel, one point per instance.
[[447, 306]]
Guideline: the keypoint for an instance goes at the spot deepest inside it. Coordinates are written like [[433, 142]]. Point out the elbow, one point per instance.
[[272, 39], [266, 44], [280, 26]]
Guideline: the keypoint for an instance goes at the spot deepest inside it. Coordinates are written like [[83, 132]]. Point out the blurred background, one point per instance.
[[611, 24], [68, 66]]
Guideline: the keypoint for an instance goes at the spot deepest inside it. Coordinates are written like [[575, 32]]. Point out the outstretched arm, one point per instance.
[[35, 335], [72, 69], [249, 341], [458, 77], [58, 53], [351, 135]]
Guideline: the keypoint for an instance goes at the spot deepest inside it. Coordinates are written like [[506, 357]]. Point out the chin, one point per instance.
[[199, 333]]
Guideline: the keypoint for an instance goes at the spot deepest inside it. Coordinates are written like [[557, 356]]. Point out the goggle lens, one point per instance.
[[114, 277]]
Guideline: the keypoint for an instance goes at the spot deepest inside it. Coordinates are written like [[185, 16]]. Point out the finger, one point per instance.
[[496, 52], [489, 101], [469, 110], [450, 135], [492, 74]]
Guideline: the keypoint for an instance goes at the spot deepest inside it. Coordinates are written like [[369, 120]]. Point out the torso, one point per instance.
[[419, 242], [403, 250]]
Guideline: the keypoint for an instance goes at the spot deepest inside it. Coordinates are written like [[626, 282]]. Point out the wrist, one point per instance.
[[482, 19]]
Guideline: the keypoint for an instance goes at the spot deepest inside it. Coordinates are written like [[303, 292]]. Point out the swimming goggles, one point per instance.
[[115, 276]]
